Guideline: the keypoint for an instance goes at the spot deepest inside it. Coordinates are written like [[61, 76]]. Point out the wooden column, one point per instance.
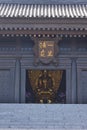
[[73, 81], [68, 86], [23, 85], [17, 81]]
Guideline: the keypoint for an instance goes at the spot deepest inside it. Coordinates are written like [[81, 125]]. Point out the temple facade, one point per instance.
[[43, 52]]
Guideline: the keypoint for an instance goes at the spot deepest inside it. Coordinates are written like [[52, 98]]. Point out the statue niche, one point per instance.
[[45, 84]]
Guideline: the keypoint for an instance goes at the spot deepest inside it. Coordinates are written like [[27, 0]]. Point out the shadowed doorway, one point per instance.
[[46, 86]]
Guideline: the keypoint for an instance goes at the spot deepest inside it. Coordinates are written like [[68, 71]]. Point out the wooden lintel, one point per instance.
[[42, 32]]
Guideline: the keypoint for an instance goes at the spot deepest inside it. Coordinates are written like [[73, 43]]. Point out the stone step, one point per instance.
[[38, 129], [43, 116]]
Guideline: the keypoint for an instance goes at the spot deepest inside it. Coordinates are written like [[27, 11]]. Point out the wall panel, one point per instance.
[[6, 89]]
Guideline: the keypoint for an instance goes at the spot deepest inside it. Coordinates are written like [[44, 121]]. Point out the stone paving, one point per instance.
[[43, 116]]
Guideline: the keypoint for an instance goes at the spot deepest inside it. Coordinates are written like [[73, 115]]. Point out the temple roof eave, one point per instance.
[[43, 23], [61, 19], [43, 10]]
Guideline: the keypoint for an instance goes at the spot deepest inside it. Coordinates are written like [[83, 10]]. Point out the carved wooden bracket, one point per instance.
[[46, 50]]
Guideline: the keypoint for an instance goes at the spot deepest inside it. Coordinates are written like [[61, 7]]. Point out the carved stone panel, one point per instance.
[[6, 90]]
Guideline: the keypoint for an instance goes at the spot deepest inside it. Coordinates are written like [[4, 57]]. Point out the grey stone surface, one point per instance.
[[43, 116]]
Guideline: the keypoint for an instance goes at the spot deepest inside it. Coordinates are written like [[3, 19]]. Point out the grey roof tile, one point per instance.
[[43, 11]]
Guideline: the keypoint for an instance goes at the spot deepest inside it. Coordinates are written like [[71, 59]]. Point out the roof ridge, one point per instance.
[[45, 4], [44, 1]]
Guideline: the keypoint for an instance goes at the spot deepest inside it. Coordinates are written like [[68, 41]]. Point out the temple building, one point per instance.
[[43, 51]]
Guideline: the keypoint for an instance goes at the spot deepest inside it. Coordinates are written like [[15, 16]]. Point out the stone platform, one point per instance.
[[43, 116]]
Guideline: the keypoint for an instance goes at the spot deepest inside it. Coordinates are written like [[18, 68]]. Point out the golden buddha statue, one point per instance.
[[45, 87]]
